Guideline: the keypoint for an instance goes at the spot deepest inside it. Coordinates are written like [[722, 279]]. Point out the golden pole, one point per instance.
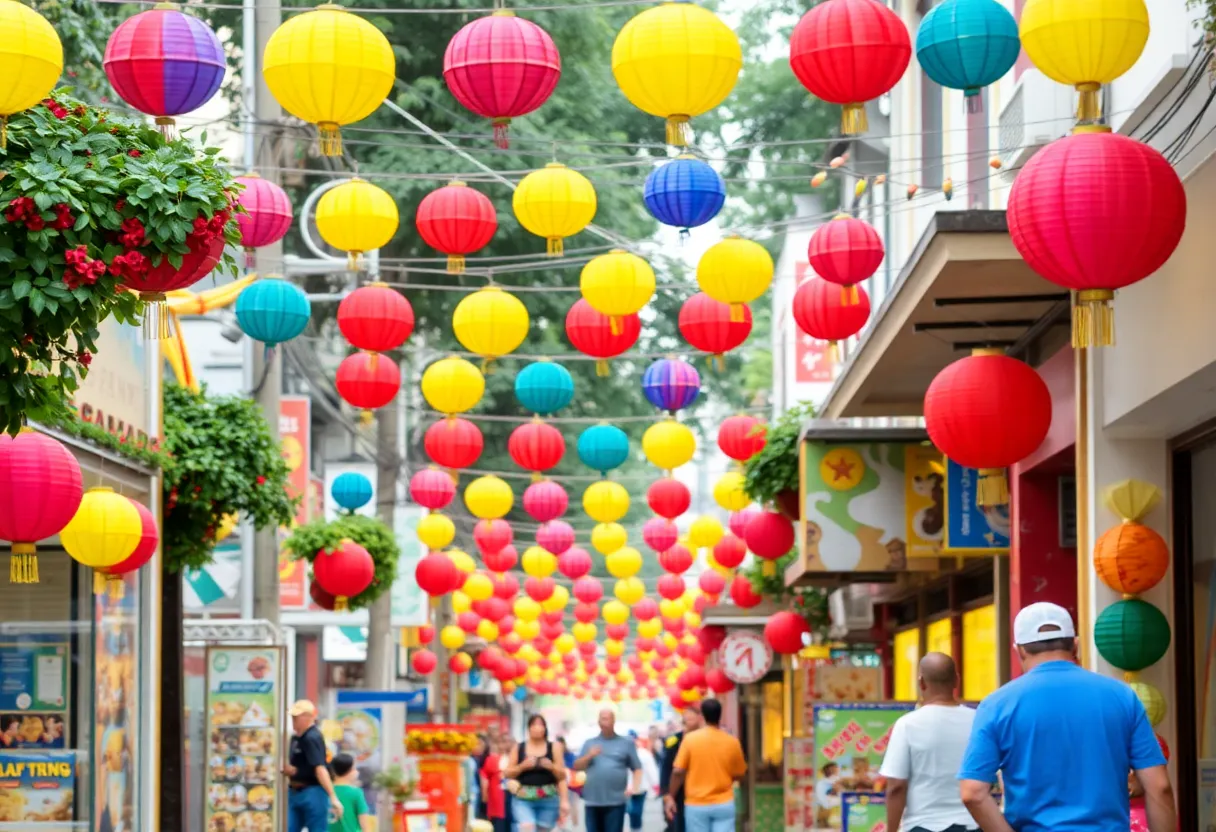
[[1081, 358]]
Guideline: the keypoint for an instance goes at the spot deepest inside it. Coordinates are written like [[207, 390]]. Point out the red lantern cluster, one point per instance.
[[456, 220]]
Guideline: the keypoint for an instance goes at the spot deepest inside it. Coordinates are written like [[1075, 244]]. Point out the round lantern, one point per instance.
[[344, 572], [785, 630], [625, 562], [987, 411], [556, 536], [617, 284], [40, 489], [711, 583], [1131, 558], [575, 563], [432, 488], [452, 385], [742, 593], [603, 447], [660, 52], [478, 587], [351, 490], [1120, 235], [822, 311], [436, 574], [668, 498], [452, 637], [375, 318], [730, 493], [31, 64], [272, 311], [705, 532], [368, 380], [676, 560], [105, 530], [1132, 634], [490, 323], [526, 609], [629, 590], [846, 251], [456, 220], [149, 539], [545, 501], [1153, 701], [267, 216], [741, 437], [769, 535], [736, 272], [660, 533], [544, 387], [453, 443], [645, 609], [436, 531], [165, 277], [538, 562], [465, 564], [708, 325], [967, 45], [554, 202], [606, 538], [501, 67], [357, 217], [424, 662], [668, 444], [685, 193], [671, 384], [671, 587], [849, 52], [329, 67], [606, 501], [588, 590], [503, 560], [592, 333], [716, 681], [730, 551], [488, 498], [536, 446]]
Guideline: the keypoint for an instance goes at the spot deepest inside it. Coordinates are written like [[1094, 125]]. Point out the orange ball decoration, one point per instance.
[[1131, 558]]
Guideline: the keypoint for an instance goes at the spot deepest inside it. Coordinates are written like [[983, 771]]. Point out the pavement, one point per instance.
[[652, 818]]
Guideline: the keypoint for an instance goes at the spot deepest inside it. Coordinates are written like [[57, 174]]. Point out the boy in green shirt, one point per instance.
[[356, 816]]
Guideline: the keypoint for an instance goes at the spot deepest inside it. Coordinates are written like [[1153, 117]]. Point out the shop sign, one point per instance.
[[410, 605], [853, 737], [970, 528], [34, 692], [924, 500], [116, 738], [37, 789], [295, 429], [812, 358], [798, 760], [114, 395], [244, 733], [863, 812], [745, 657]]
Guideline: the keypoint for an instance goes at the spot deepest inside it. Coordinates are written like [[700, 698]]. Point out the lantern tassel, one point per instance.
[[167, 127], [537, 476], [614, 324], [736, 313], [353, 261], [366, 418], [1089, 106], [157, 326], [679, 134], [975, 101], [555, 248], [601, 368], [99, 582], [3, 132], [116, 587], [341, 604], [455, 264], [993, 489], [1093, 319], [502, 139], [330, 135], [23, 565], [833, 352], [719, 362], [685, 235], [854, 121], [251, 259], [487, 365], [849, 295], [769, 568]]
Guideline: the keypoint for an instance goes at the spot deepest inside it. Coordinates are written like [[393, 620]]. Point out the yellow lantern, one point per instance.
[[624, 676], [464, 562], [617, 284], [436, 531], [557, 601], [725, 571], [625, 562], [629, 590], [488, 498], [613, 647], [671, 609], [564, 644], [554, 202], [461, 662], [705, 532], [735, 271], [227, 526], [692, 619], [584, 632], [729, 492], [527, 629], [606, 501], [671, 641], [608, 537], [615, 612], [526, 609], [676, 61], [650, 629], [538, 562], [690, 695], [1084, 45], [452, 385], [452, 637], [668, 444], [461, 602], [329, 67], [491, 323], [1153, 701], [104, 532], [357, 217], [478, 586], [487, 629], [30, 64]]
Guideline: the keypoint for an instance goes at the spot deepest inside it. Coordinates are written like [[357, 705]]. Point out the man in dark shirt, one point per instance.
[[673, 804], [310, 793]]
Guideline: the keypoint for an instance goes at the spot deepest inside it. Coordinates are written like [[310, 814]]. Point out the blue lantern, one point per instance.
[[352, 490], [603, 447], [685, 192], [520, 694], [670, 384], [968, 44], [544, 387], [272, 311]]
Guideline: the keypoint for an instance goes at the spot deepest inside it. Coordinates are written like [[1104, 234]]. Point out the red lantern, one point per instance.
[[468, 621], [545, 501], [711, 638], [1096, 212], [551, 631], [668, 498], [987, 411], [706, 325], [40, 490], [436, 574], [646, 609], [267, 216], [344, 572], [511, 643], [460, 663], [587, 611], [821, 312], [456, 220], [675, 626], [555, 537], [845, 252], [711, 582], [506, 586], [741, 437], [730, 551], [375, 318], [489, 659], [368, 380], [495, 609], [152, 285], [426, 634], [574, 563], [769, 535], [676, 560], [424, 662], [501, 67], [849, 52], [619, 632], [587, 590], [671, 587], [592, 333], [740, 519], [660, 534], [536, 446], [453, 443], [146, 548], [492, 536], [785, 629], [320, 597], [742, 594], [432, 488], [540, 589], [716, 681]]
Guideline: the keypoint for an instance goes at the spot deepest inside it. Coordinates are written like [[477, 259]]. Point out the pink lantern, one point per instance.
[[660, 534], [267, 216]]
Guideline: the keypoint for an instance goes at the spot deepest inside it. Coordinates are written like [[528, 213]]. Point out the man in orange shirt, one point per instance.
[[707, 766]]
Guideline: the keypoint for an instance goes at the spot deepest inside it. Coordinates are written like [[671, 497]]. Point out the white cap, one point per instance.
[[1042, 622]]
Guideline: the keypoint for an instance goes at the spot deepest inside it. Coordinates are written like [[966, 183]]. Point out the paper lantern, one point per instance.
[[272, 310], [351, 491], [501, 67], [536, 446], [544, 387], [735, 271], [685, 193], [478, 586], [423, 662], [705, 532], [671, 587], [670, 384], [105, 530], [849, 52], [617, 284], [606, 501], [730, 551], [587, 589], [375, 317], [436, 531], [668, 444], [452, 385], [676, 560], [716, 681], [329, 67], [556, 536], [676, 61], [368, 380], [846, 252], [711, 583], [608, 537], [40, 487], [344, 572], [575, 563], [436, 574], [464, 564], [769, 535], [554, 202], [539, 589], [668, 498], [490, 323], [1153, 701], [452, 637], [538, 562], [453, 443], [488, 498], [708, 325], [545, 501], [456, 220], [785, 630], [584, 633], [629, 590], [506, 586], [492, 536], [821, 311], [742, 594], [31, 63], [615, 613], [357, 217], [593, 333], [730, 493], [660, 533], [1132, 634], [625, 562], [1095, 212], [432, 488], [267, 217], [1131, 558], [987, 411], [603, 447], [166, 277], [967, 45], [149, 540]]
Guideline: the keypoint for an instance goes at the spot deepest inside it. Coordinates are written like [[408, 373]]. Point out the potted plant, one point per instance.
[[400, 784], [772, 474]]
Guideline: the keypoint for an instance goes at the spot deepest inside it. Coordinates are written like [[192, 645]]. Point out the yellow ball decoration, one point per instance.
[[490, 322], [488, 498], [526, 609], [624, 676], [705, 532], [608, 537], [104, 532], [1084, 45], [557, 601], [615, 612], [452, 385], [629, 590], [464, 562], [671, 641], [692, 619], [1153, 701], [729, 492], [329, 67], [668, 444], [650, 629], [584, 632], [606, 501], [735, 271], [676, 61], [31, 62], [614, 648], [527, 629], [564, 644], [690, 695], [452, 637], [357, 217], [436, 531], [478, 586], [461, 602], [487, 629], [538, 562], [617, 284], [625, 562], [554, 202], [671, 609]]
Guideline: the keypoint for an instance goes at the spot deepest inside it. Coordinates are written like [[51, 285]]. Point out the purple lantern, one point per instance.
[[670, 384]]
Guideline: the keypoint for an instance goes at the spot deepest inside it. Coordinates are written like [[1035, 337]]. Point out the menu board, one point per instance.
[[244, 747], [864, 812], [799, 763], [37, 789], [33, 692], [850, 740]]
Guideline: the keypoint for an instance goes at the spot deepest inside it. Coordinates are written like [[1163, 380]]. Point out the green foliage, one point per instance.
[[223, 462], [84, 26], [775, 469], [809, 602], [148, 454], [306, 542]]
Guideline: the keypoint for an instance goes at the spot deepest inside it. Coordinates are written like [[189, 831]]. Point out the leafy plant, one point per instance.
[[222, 462], [809, 602], [394, 780], [775, 468], [147, 453], [307, 541]]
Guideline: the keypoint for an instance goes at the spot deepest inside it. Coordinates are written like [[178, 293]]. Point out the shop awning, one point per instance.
[[728, 615], [963, 287]]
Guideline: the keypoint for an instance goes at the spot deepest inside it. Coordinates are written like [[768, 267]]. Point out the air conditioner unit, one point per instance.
[[851, 608], [1039, 111]]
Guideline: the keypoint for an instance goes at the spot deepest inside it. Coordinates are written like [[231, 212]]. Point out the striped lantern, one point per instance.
[[267, 215], [671, 384]]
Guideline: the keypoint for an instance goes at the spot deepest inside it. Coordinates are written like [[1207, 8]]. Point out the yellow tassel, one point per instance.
[[849, 295], [352, 261], [99, 582], [1130, 676], [614, 324], [366, 418], [23, 565], [1093, 319], [769, 568], [537, 476], [556, 247], [601, 368], [993, 489], [455, 264], [833, 352], [736, 313], [341, 604], [678, 132], [330, 136], [1089, 106], [3, 132], [854, 120], [116, 587]]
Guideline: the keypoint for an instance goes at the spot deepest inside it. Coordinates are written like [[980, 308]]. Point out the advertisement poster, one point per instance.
[[295, 433], [214, 587], [410, 605], [116, 739], [844, 683], [813, 361], [863, 812], [799, 764], [1207, 795], [924, 500], [970, 528], [850, 740], [244, 730], [33, 692], [37, 790]]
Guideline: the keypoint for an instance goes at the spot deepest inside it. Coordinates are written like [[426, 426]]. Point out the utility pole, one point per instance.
[[381, 647]]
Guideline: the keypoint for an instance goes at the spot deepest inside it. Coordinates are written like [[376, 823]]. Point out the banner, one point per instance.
[[116, 740], [34, 692], [850, 741], [813, 362], [972, 529], [799, 763], [295, 423], [864, 812], [924, 500], [37, 791], [410, 605]]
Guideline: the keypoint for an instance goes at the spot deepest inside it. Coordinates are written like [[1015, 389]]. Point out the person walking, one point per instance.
[[608, 760], [924, 754], [650, 782], [574, 791], [673, 801], [310, 795], [706, 767], [539, 799], [492, 791], [1063, 739], [356, 814]]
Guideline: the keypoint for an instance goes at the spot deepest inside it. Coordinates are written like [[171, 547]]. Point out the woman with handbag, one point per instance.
[[537, 780]]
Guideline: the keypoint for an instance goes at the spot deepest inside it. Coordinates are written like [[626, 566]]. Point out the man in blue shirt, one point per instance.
[[1063, 740]]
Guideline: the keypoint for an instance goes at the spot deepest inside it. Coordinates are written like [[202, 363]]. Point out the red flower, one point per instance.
[[134, 154], [55, 107], [63, 217], [131, 265], [19, 209], [35, 223], [120, 205], [84, 357], [133, 235], [261, 480]]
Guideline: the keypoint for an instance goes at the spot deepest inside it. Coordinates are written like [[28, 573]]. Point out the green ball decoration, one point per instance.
[[1132, 634]]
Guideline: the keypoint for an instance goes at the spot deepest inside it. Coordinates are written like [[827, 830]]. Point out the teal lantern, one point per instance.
[[967, 45], [1132, 634], [544, 387], [603, 447], [272, 311], [351, 490]]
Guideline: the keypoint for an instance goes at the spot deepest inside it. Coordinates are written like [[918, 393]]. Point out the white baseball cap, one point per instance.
[[1042, 621]]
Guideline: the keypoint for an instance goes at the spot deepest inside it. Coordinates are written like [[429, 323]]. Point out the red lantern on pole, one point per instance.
[[668, 498], [1095, 212], [591, 333], [40, 491], [436, 574], [730, 551], [706, 325], [988, 411], [432, 488], [742, 594], [456, 220], [676, 560], [375, 318], [821, 312], [849, 52], [545, 501], [492, 536], [536, 446], [574, 563], [424, 662], [453, 443], [344, 572], [660, 533], [368, 380], [784, 632], [769, 535], [845, 251], [741, 437]]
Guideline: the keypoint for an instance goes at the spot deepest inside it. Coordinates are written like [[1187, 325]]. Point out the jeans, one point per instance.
[[535, 815], [717, 817], [637, 804], [958, 827], [307, 808], [606, 818]]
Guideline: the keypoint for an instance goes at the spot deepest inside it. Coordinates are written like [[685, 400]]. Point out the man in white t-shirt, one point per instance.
[[923, 757]]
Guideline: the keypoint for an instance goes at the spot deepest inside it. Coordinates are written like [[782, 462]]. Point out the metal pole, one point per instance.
[[381, 647]]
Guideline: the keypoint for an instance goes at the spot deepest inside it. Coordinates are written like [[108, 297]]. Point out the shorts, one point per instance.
[[542, 814]]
